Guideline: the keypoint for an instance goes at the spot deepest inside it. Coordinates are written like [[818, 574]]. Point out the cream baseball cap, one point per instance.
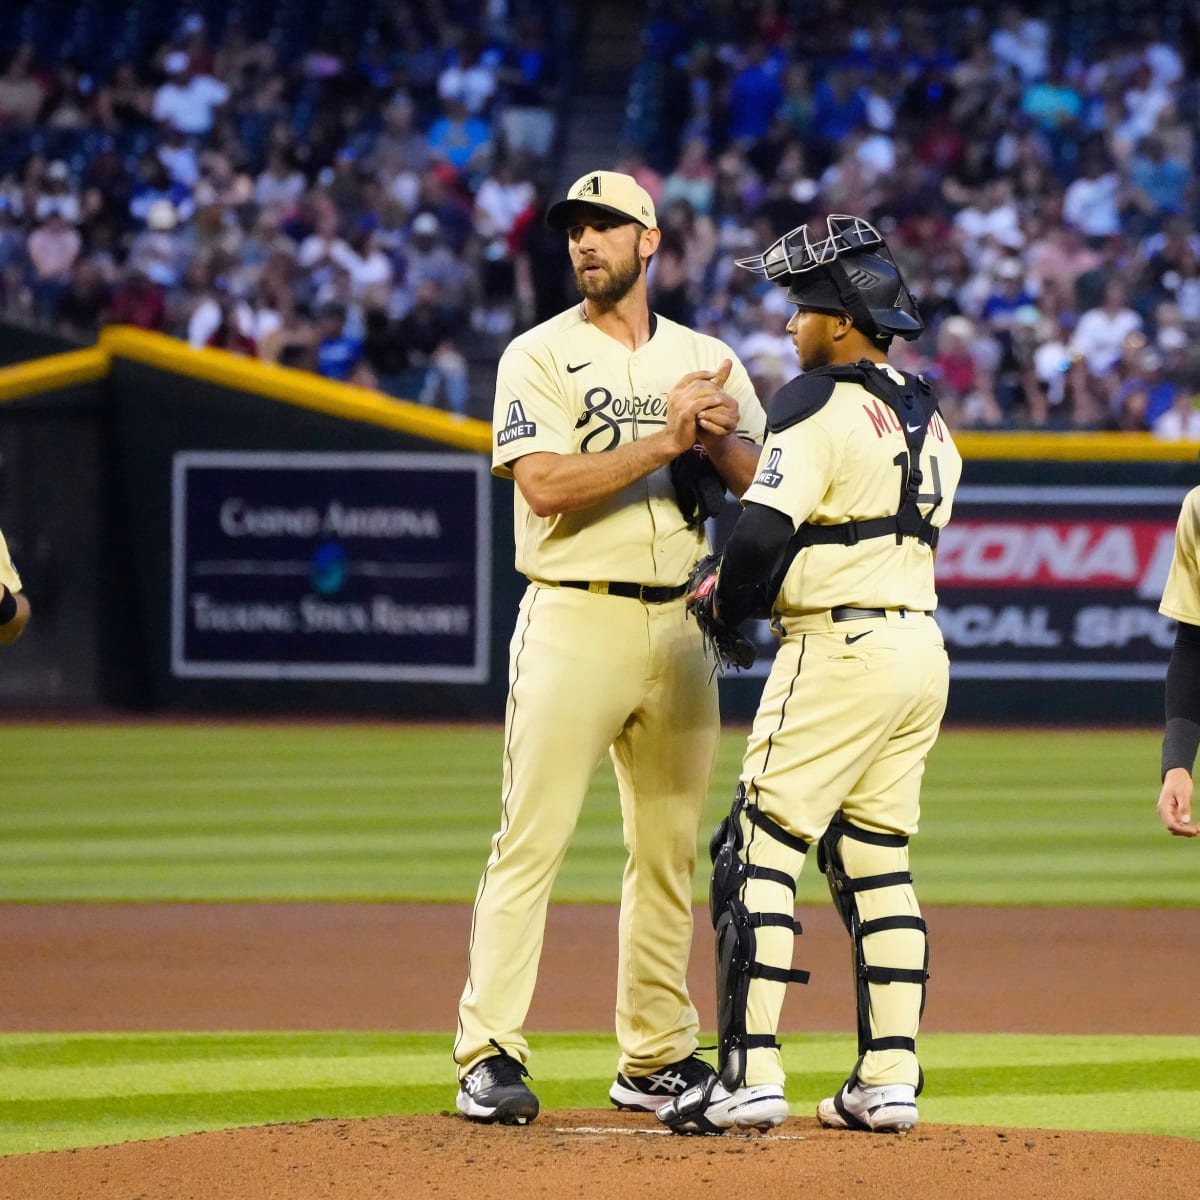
[[610, 191]]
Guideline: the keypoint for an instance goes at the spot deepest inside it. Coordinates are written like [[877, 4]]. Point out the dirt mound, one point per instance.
[[601, 1155]]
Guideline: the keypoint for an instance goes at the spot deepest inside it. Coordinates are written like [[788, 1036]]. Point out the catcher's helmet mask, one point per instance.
[[850, 270]]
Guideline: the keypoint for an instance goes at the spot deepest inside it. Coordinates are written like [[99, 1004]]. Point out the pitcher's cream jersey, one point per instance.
[[566, 387], [8, 573], [1181, 595], [846, 462]]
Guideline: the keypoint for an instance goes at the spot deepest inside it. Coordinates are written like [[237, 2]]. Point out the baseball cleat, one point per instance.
[[493, 1091], [648, 1093], [709, 1108], [887, 1109]]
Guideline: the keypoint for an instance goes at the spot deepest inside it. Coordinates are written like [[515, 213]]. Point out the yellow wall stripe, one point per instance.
[[52, 372], [306, 390], [301, 388]]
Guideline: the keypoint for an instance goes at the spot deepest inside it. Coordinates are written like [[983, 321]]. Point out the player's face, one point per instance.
[[606, 257], [812, 335]]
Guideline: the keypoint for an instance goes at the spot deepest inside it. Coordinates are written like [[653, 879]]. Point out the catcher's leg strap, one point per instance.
[[872, 889], [735, 922]]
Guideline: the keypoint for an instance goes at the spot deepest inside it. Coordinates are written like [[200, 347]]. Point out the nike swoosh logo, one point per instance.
[[910, 428], [571, 370], [852, 638]]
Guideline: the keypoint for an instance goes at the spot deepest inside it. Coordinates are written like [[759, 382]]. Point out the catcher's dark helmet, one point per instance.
[[849, 270]]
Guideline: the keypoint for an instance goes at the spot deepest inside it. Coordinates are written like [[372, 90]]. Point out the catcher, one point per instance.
[[836, 542]]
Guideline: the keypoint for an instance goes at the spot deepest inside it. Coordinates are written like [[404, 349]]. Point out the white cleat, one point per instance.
[[887, 1109], [710, 1108]]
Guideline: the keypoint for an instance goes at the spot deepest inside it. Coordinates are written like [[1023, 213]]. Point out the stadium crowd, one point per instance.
[[365, 200]]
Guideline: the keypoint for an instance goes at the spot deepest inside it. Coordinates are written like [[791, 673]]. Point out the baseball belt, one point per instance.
[[647, 593], [847, 612]]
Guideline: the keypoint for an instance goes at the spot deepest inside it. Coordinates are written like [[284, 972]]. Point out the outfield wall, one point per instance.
[[202, 533]]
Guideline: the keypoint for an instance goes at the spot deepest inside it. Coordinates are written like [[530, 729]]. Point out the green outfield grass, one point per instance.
[[375, 812], [96, 1089]]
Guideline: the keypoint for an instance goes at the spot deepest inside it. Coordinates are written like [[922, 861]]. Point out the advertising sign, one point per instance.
[[372, 566], [1051, 582], [1057, 582]]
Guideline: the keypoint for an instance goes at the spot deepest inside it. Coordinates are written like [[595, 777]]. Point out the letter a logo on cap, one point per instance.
[[589, 187]]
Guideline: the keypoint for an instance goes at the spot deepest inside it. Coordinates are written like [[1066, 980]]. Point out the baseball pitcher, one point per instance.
[[621, 430]]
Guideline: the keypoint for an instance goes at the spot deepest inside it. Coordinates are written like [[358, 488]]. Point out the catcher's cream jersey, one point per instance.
[[8, 573], [1181, 595], [847, 462], [566, 387]]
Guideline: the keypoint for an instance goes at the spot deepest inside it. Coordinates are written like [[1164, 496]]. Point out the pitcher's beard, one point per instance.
[[611, 287]]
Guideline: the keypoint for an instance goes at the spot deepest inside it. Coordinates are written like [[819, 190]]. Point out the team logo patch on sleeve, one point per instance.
[[515, 426], [770, 475]]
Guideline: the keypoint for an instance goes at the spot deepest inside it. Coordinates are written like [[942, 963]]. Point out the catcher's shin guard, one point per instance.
[[735, 925], [872, 889]]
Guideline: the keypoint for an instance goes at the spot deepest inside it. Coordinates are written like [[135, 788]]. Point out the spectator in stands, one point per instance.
[[53, 248], [1092, 202], [1100, 336], [400, 145], [138, 301], [338, 351], [1157, 188], [126, 101], [668, 286], [72, 101], [1181, 422], [22, 91], [1021, 41], [279, 182], [767, 351], [427, 336], [189, 99], [461, 139], [158, 251], [429, 259], [84, 301], [469, 76], [153, 184], [56, 194], [694, 177], [503, 195], [528, 79], [755, 95]]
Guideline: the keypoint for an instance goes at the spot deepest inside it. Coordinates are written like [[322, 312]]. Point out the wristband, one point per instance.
[[1180, 741], [8, 606]]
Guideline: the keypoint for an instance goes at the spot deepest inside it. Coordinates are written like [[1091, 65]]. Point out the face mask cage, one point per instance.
[[797, 251]]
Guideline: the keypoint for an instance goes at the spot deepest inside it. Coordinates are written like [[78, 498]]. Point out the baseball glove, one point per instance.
[[726, 645], [699, 489]]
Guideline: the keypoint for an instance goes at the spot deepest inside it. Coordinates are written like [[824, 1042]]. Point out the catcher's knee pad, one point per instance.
[[735, 925], [872, 889]]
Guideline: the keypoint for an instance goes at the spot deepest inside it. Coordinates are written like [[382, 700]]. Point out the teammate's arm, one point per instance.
[[556, 483], [1182, 733], [14, 615], [750, 562]]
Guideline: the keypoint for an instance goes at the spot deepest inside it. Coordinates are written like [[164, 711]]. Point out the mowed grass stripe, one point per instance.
[[278, 812], [88, 1089]]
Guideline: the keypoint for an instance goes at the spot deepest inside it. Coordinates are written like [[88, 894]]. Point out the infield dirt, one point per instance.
[[393, 966]]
